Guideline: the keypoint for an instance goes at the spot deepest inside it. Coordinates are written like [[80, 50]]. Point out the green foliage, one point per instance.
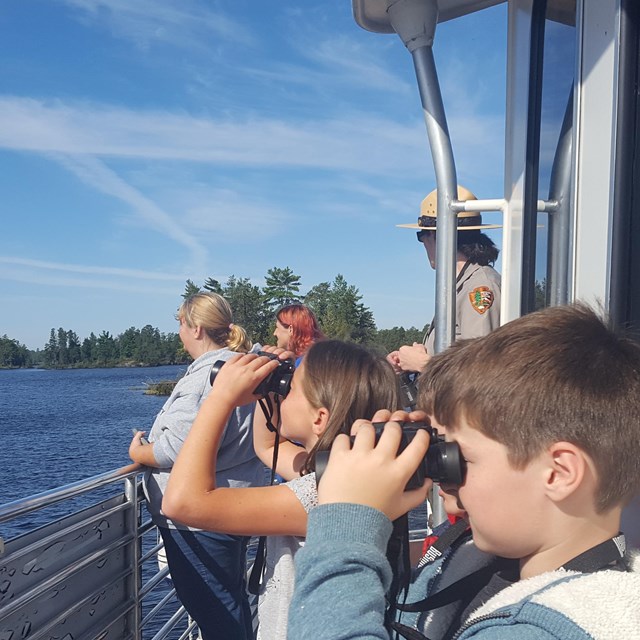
[[190, 288], [13, 354], [51, 350], [210, 284], [318, 300], [340, 312], [89, 349], [106, 349], [249, 308], [388, 340], [63, 356], [540, 294], [247, 302], [281, 288], [134, 347], [74, 351], [337, 305]]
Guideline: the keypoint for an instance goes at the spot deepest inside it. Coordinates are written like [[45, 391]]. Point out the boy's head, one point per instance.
[[557, 375]]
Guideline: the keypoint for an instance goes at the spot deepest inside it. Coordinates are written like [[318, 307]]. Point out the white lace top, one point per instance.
[[273, 605]]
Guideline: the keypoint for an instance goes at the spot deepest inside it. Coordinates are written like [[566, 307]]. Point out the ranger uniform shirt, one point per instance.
[[477, 304]]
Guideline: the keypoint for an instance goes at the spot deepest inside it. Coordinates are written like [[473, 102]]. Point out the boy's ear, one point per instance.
[[320, 421], [567, 470]]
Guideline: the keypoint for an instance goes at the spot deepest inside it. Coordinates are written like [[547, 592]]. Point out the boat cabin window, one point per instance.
[[550, 155]]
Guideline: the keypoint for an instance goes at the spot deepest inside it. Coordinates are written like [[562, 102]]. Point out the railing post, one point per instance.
[[131, 495]]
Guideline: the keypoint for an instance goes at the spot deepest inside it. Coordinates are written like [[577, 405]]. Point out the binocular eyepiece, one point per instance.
[[278, 381], [442, 463]]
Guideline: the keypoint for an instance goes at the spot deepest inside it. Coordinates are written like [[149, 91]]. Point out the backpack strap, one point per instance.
[[398, 557], [463, 589], [445, 541], [257, 571], [602, 556]]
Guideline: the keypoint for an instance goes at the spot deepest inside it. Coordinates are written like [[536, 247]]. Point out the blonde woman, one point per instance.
[[207, 569]]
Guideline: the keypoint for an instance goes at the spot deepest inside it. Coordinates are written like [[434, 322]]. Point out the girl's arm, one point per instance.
[[191, 496], [291, 457]]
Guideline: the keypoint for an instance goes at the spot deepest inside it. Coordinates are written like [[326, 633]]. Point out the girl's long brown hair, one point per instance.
[[351, 382]]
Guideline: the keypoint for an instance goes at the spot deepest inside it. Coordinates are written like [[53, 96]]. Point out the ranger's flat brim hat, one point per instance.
[[467, 220]]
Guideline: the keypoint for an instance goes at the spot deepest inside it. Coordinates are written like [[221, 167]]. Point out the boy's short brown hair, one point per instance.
[[555, 375]]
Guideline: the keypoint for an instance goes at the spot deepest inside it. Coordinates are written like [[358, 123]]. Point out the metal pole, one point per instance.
[[415, 22], [445, 170], [559, 222]]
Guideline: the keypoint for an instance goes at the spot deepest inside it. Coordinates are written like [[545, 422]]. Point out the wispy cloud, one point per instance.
[[181, 23], [88, 140], [96, 174], [355, 141], [357, 64], [227, 210], [28, 271], [337, 64], [97, 130], [90, 270]]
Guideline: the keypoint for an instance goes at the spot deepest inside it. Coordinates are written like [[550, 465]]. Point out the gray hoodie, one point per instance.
[[237, 464]]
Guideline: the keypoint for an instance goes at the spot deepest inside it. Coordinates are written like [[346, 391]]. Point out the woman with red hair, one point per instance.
[[296, 328]]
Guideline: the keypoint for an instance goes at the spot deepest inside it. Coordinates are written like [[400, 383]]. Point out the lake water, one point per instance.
[[67, 425], [59, 426]]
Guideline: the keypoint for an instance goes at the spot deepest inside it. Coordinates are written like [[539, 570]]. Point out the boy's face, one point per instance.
[[504, 505]]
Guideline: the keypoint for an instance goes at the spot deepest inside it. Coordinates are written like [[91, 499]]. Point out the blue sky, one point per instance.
[[144, 142]]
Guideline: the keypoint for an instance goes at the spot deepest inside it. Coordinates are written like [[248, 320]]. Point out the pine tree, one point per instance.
[[190, 288], [282, 287], [51, 350]]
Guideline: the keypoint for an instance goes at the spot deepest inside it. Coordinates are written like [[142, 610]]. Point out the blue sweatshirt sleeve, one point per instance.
[[342, 574]]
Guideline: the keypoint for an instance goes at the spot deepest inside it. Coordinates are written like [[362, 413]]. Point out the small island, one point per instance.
[[161, 388]]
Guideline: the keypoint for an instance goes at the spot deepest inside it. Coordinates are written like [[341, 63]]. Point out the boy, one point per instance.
[[546, 411]]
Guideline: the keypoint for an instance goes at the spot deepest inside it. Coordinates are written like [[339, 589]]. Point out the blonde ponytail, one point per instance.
[[213, 313], [238, 339]]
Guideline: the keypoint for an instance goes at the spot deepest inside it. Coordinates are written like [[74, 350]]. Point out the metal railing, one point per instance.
[[85, 561], [80, 561]]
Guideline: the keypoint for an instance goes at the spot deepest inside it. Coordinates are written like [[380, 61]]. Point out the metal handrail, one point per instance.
[[73, 522], [47, 498]]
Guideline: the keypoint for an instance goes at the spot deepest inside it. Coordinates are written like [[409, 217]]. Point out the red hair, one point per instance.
[[304, 326]]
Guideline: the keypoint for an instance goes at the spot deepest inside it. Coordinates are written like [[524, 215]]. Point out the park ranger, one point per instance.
[[477, 282]]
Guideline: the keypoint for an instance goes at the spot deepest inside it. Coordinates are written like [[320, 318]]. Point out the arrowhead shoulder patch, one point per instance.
[[481, 299]]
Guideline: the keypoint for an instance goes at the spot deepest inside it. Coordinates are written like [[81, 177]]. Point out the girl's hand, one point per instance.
[[282, 354], [374, 475], [239, 376]]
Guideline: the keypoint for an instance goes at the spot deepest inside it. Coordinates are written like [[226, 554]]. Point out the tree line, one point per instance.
[[337, 305]]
